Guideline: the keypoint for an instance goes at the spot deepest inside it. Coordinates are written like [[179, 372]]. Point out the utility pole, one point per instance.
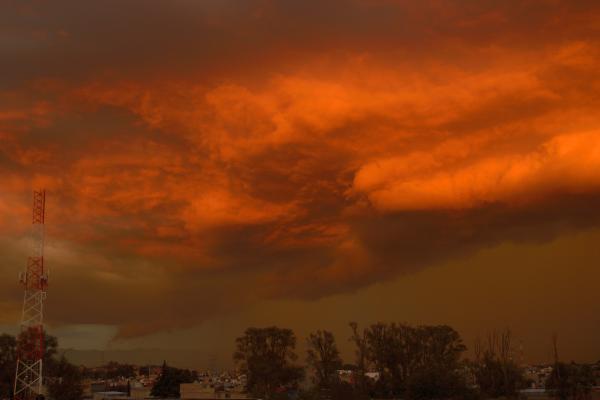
[[30, 347]]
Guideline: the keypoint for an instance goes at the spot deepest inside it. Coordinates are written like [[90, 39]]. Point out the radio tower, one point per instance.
[[30, 348]]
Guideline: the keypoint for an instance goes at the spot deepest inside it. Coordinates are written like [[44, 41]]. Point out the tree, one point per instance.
[[569, 381], [8, 359], [115, 370], [169, 380], [53, 368], [323, 357], [26, 340], [65, 382], [495, 371], [400, 352], [440, 345], [267, 355], [436, 382], [434, 373], [361, 383]]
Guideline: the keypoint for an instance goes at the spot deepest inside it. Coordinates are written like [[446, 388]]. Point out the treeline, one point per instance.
[[392, 361], [111, 370]]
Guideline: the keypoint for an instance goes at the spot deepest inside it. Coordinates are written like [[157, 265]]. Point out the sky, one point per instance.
[[214, 165]]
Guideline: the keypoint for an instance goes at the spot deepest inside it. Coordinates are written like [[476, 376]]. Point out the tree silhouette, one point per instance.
[[169, 380], [408, 358], [56, 371], [569, 381], [496, 373], [8, 359], [266, 355], [323, 357], [65, 382]]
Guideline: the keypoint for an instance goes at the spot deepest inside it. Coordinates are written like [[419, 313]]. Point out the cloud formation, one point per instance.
[[222, 153]]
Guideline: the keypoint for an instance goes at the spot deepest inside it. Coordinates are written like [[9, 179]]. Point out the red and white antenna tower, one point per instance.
[[30, 348]]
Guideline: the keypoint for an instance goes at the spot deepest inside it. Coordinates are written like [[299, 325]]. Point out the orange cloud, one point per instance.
[[564, 164], [310, 161]]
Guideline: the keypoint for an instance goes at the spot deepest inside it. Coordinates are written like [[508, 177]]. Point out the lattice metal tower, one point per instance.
[[30, 348]]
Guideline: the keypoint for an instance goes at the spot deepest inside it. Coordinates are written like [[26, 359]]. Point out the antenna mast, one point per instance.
[[30, 347]]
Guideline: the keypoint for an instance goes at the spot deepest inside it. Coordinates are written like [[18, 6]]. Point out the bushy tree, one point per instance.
[[267, 357], [115, 370], [27, 338], [65, 382], [570, 381], [55, 370], [169, 380], [496, 373], [8, 359], [361, 382], [436, 382], [323, 358], [400, 352]]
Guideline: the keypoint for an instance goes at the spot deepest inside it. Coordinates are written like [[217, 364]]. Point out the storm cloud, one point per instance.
[[226, 153]]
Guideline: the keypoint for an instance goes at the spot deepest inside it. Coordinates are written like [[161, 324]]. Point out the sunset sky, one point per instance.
[[217, 164]]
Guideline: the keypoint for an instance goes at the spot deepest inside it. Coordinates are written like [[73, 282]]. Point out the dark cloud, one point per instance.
[[74, 41]]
